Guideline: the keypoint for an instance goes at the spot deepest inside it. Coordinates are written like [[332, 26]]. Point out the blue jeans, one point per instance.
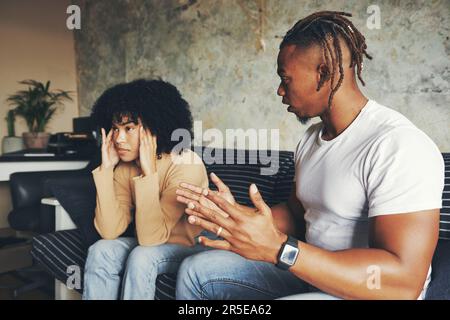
[[224, 275], [121, 268]]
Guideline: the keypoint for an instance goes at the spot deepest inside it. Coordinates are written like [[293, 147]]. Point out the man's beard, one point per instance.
[[303, 120]]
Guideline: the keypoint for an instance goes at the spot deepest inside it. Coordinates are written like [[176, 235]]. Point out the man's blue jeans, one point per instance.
[[224, 275], [121, 269]]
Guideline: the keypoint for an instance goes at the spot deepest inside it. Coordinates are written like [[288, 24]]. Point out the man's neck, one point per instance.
[[346, 106]]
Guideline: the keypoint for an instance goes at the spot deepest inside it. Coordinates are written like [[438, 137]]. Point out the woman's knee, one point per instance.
[[144, 258], [107, 251]]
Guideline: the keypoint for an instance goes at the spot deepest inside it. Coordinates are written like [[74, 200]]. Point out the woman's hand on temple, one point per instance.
[[110, 156], [147, 151]]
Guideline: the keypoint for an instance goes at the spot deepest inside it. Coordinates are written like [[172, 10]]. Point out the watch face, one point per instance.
[[289, 255]]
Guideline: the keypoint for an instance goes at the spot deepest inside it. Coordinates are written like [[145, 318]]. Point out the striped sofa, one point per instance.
[[56, 251], [59, 250]]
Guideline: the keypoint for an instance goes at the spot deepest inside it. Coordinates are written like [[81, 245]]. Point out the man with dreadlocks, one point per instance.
[[363, 217]]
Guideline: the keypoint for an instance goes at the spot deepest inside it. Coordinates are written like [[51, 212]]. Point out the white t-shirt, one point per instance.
[[381, 164]]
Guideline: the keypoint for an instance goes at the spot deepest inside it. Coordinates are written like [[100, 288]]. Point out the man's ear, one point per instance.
[[323, 75]]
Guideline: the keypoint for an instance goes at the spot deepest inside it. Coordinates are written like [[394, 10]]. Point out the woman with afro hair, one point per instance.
[[136, 184]]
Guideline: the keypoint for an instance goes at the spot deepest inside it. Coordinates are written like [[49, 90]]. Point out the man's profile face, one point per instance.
[[126, 139], [298, 70]]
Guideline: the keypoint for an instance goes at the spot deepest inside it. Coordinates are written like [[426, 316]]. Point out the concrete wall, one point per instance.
[[212, 51], [35, 44]]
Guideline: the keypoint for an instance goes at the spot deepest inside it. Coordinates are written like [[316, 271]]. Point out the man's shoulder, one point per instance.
[[380, 118], [385, 125], [405, 147], [407, 139]]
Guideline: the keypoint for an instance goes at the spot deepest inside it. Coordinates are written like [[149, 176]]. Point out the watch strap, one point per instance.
[[291, 241]]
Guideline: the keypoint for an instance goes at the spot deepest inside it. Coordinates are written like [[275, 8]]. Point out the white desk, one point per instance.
[[9, 167]]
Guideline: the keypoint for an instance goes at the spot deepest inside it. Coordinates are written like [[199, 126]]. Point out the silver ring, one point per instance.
[[219, 231]]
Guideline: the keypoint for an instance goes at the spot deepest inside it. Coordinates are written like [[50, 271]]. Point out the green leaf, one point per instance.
[[37, 104]]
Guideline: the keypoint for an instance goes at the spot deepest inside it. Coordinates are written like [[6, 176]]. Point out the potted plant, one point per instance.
[[37, 105], [11, 143]]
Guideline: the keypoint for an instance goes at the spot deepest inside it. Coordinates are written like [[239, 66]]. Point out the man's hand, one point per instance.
[[147, 151], [109, 154], [190, 193], [249, 232]]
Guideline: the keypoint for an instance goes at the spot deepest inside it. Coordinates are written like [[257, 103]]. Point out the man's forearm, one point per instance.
[[357, 273]]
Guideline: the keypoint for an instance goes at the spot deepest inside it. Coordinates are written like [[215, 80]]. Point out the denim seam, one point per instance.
[[158, 263], [233, 281]]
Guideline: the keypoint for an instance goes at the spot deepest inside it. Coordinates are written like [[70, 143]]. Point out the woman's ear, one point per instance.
[[323, 75]]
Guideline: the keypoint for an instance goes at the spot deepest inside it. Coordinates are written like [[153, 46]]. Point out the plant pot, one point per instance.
[[36, 140], [11, 144]]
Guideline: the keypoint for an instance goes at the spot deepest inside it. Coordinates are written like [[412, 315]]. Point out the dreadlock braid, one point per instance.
[[324, 27]]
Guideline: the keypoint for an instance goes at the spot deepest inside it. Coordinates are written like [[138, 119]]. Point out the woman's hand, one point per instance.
[[147, 151], [109, 154]]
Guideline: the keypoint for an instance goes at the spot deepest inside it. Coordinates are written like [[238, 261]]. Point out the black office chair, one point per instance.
[[27, 190], [31, 217]]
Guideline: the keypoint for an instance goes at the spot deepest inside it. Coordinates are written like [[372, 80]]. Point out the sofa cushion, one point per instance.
[[444, 226], [240, 168], [439, 287], [59, 250]]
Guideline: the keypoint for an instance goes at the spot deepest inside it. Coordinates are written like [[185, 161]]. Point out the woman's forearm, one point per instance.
[[113, 205]]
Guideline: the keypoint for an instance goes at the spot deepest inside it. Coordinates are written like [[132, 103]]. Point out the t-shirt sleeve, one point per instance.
[[406, 174]]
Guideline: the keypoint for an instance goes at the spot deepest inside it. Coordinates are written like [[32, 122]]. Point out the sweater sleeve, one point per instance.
[[158, 211], [113, 202]]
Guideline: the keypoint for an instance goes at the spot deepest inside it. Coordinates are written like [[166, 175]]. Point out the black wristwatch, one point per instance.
[[288, 253]]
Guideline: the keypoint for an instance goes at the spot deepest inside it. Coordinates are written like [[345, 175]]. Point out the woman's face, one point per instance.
[[126, 139]]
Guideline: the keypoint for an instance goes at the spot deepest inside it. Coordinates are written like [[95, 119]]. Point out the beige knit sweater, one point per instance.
[[159, 217]]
